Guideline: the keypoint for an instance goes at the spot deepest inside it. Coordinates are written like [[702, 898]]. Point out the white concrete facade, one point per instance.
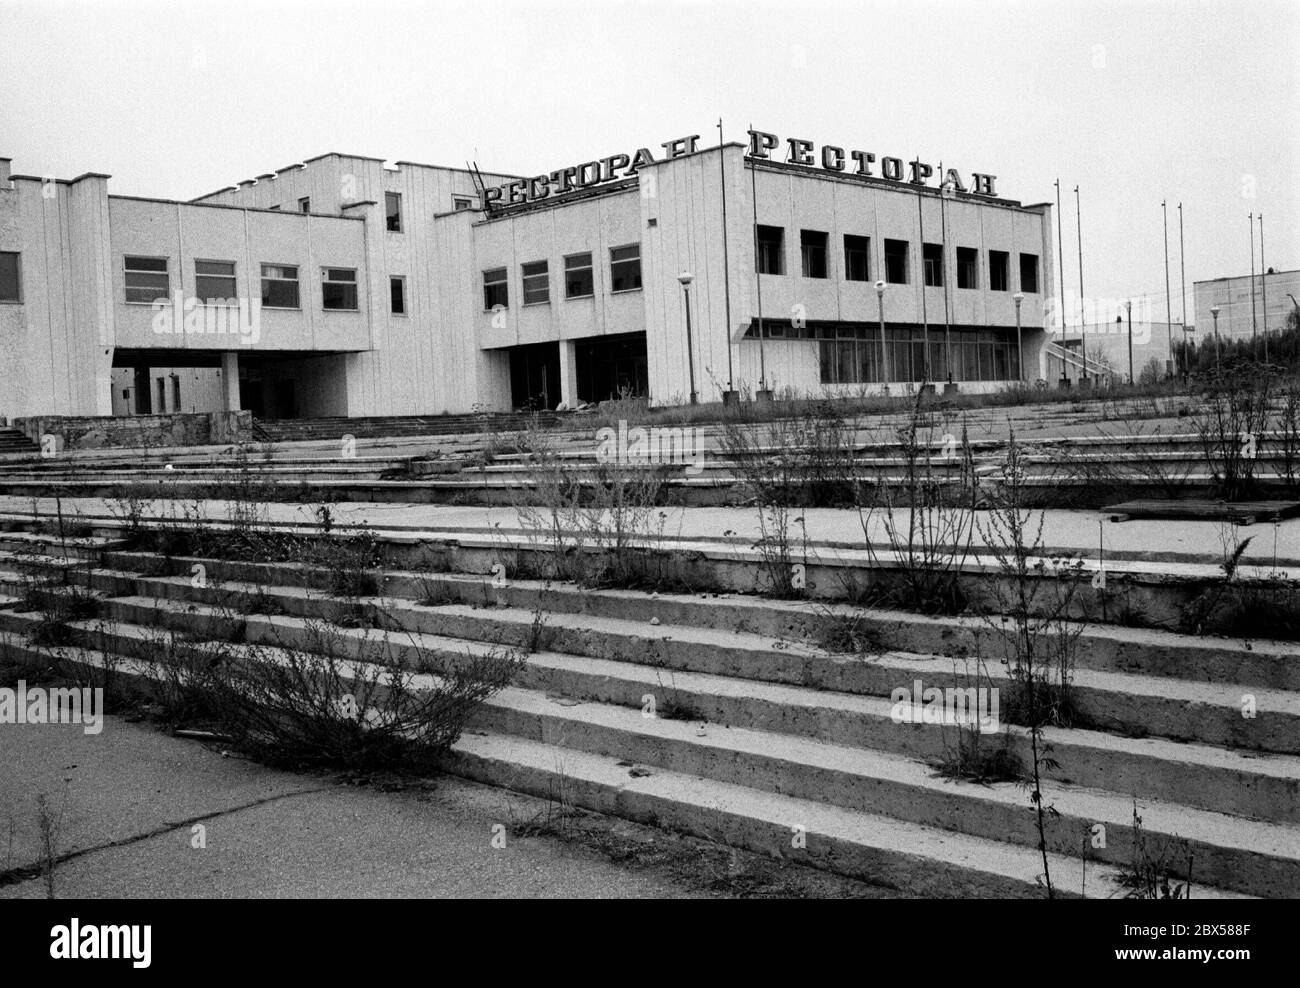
[[77, 339]]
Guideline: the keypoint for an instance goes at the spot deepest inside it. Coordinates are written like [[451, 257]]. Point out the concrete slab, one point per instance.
[[269, 833]]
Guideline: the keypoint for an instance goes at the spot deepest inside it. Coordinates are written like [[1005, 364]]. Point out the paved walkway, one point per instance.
[[131, 796], [1200, 542]]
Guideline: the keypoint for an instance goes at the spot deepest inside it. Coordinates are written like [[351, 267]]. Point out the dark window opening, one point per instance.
[[10, 279], [932, 258], [339, 289], [494, 289], [625, 268], [771, 250], [537, 282], [999, 271], [812, 248], [1029, 273], [397, 296], [393, 211], [896, 262], [967, 267], [579, 282], [857, 258]]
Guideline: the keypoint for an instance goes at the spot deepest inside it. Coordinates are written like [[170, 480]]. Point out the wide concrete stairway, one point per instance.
[[744, 719]]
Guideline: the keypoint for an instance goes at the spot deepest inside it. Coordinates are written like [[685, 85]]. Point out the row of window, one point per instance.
[[814, 258], [148, 279], [975, 355], [579, 281]]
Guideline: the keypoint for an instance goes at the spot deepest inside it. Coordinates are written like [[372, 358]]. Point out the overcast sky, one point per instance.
[[1131, 101]]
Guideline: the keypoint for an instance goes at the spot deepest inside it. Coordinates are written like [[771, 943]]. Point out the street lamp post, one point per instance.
[[1019, 297], [880, 303], [1214, 311], [1129, 306], [686, 278]]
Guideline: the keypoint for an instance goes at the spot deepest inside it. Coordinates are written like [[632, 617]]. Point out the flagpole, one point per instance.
[[758, 279], [943, 237], [1182, 291], [1169, 306], [1060, 257], [1083, 320], [1254, 329], [1263, 283], [925, 321], [726, 266]]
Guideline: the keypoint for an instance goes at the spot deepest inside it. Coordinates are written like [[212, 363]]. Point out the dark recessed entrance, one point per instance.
[[612, 366], [535, 375]]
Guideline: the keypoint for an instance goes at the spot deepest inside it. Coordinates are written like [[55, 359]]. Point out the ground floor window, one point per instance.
[[853, 355]]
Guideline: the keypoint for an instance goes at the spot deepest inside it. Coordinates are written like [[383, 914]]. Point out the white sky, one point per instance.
[[1132, 101]]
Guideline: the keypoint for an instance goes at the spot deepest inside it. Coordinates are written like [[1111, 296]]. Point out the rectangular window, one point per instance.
[[339, 289], [146, 279], [280, 286], [896, 262], [999, 271], [393, 210], [304, 204], [397, 295], [625, 268], [857, 258], [932, 258], [578, 282], [214, 281], [162, 394], [10, 277], [812, 250], [495, 290], [968, 267], [176, 393], [1029, 273], [537, 282], [459, 204], [771, 250]]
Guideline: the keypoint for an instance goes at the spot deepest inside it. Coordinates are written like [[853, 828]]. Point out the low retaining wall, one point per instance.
[[106, 431]]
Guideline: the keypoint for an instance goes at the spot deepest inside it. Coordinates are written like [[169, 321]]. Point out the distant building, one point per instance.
[[1233, 297], [342, 286]]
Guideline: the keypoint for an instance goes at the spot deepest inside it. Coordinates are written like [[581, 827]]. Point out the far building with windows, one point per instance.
[[345, 286]]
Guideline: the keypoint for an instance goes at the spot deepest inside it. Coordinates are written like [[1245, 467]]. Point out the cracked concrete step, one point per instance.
[[1263, 786], [916, 857], [1104, 647], [1219, 714], [1228, 851]]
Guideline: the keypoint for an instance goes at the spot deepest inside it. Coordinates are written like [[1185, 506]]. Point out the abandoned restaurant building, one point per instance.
[[345, 286]]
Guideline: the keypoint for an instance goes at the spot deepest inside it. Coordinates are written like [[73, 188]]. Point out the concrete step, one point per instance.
[[881, 790], [1118, 702], [1144, 651], [1260, 785]]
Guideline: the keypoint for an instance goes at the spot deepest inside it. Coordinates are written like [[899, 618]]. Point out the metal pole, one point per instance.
[[925, 320], [1263, 284], [726, 266], [1169, 308], [1060, 257], [690, 349], [758, 278], [1020, 349], [1254, 329], [884, 357], [943, 237], [1083, 320], [1129, 306], [1182, 290], [1215, 312]]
